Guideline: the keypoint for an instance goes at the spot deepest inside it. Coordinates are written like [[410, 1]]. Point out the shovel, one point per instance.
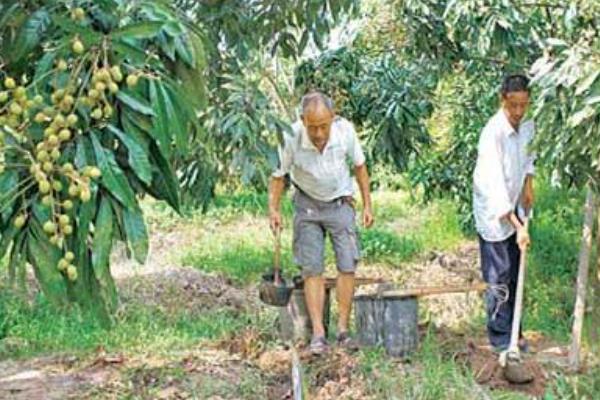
[[273, 289], [510, 360]]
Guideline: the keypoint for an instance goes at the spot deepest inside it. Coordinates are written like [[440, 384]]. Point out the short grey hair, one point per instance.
[[315, 98]]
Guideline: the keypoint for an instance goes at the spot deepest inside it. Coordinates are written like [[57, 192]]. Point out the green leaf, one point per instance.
[[101, 248], [44, 258], [135, 230], [137, 156], [113, 177], [129, 51], [7, 237], [9, 180], [176, 117], [587, 82], [30, 34], [131, 127], [135, 102], [84, 152], [85, 214], [164, 182], [184, 50], [6, 15], [142, 30], [44, 64], [17, 257], [161, 124]]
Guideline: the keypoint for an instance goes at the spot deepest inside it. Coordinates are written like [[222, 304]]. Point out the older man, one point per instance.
[[317, 156]]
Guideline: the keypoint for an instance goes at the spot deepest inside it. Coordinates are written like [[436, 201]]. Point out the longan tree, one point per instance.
[[95, 102]]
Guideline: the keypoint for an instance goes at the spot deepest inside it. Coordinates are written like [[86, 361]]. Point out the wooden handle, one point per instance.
[[277, 258], [358, 281], [431, 290], [513, 347]]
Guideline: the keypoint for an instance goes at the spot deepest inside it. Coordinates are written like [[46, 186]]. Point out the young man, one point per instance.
[[316, 156], [503, 186]]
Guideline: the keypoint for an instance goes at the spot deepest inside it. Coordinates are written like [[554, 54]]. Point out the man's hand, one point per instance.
[[527, 196], [523, 239], [275, 221], [367, 217]]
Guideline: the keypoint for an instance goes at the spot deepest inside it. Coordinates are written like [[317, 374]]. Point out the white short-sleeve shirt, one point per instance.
[[503, 162], [323, 176]]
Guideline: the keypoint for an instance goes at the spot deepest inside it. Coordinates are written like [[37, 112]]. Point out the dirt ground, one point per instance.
[[164, 283]]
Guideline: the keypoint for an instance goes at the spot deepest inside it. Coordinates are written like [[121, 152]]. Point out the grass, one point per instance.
[[235, 242], [244, 253], [552, 261], [38, 329], [241, 262]]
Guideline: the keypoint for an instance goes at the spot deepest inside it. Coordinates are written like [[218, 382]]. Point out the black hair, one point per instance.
[[515, 83]]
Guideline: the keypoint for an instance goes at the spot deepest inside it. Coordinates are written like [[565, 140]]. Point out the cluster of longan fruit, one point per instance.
[[59, 183]]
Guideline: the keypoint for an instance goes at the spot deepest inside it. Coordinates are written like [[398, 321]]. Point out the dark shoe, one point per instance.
[[516, 372], [345, 341], [318, 345]]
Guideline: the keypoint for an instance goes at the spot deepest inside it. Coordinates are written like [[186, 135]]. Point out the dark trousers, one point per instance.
[[500, 266]]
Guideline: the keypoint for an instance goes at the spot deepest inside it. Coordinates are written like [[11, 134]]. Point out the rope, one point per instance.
[[500, 293]]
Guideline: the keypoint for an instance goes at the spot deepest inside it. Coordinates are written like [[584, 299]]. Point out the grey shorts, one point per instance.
[[313, 221]]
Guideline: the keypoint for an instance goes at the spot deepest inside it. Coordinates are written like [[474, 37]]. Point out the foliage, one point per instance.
[[94, 107], [557, 44], [248, 44], [385, 98]]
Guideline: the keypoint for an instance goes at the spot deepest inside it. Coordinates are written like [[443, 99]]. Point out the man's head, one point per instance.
[[317, 117], [515, 98]]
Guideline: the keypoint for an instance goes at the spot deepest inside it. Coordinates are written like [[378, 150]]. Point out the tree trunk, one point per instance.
[[595, 325], [582, 277]]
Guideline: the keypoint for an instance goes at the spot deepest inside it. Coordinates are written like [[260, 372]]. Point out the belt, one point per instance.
[[342, 199]]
